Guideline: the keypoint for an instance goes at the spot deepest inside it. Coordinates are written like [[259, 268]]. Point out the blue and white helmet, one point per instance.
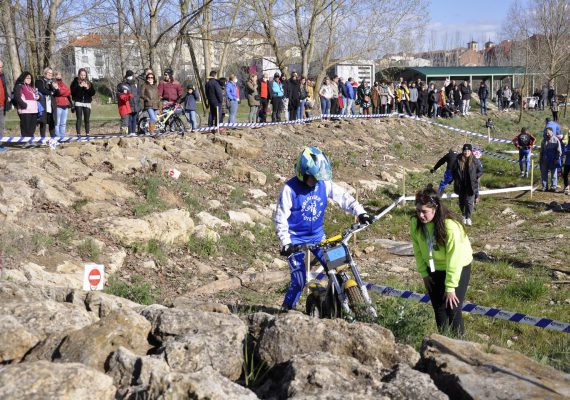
[[315, 163]]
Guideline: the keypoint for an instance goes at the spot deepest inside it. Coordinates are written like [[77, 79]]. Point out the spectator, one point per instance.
[[516, 99], [363, 97], [335, 109], [232, 94], [189, 103], [554, 108], [375, 97], [169, 89], [350, 96], [483, 94], [500, 98], [432, 102], [310, 102], [466, 173], [355, 88], [130, 83], [490, 125], [524, 142], [26, 98], [215, 98], [413, 98], [552, 125], [225, 108], [276, 98], [312, 186], [48, 90], [441, 101], [253, 98], [294, 90], [551, 95], [4, 99], [403, 95], [465, 89], [264, 97], [82, 92], [386, 97], [507, 94], [63, 102], [422, 101], [566, 170], [543, 97], [124, 97], [303, 95], [285, 99], [151, 100], [549, 159], [342, 90], [449, 159], [326, 93], [443, 257]]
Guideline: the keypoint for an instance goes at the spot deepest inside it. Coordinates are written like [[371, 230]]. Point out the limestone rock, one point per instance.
[[129, 369], [257, 178], [256, 216], [129, 230], [193, 173], [191, 304], [203, 232], [102, 189], [37, 275], [45, 380], [193, 340], [295, 333], [15, 197], [211, 221], [257, 193], [93, 344], [171, 226], [206, 384], [466, 370], [244, 147], [240, 217]]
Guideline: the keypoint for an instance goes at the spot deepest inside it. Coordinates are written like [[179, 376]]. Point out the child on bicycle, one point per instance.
[[300, 214], [189, 101]]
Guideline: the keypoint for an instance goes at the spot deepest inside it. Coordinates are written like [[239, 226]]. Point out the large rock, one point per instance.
[[170, 227], [244, 147], [24, 324], [211, 221], [15, 197], [44, 380], [193, 340], [94, 188], [193, 173], [128, 369], [327, 376], [37, 275], [206, 384], [94, 344], [466, 370], [294, 333]]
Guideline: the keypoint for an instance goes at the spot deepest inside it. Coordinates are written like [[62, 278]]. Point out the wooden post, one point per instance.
[[489, 134], [531, 175], [404, 188], [355, 220]]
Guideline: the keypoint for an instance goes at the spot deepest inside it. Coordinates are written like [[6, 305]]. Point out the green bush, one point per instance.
[[202, 247], [137, 290], [88, 250], [529, 289], [409, 322]]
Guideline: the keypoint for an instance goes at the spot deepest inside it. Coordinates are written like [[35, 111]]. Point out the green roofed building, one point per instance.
[[494, 75]]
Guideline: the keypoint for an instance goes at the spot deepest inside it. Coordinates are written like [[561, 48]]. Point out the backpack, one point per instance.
[[524, 139]]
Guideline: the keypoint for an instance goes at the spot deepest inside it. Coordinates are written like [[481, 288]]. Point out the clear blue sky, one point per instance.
[[464, 20]]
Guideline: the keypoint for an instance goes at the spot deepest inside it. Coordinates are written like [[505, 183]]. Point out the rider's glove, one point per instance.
[[365, 219], [286, 250]]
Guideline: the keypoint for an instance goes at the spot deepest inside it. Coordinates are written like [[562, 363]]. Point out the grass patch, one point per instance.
[[530, 289], [410, 322], [154, 248], [237, 195], [88, 250], [42, 241], [236, 244], [202, 247], [149, 187], [136, 290], [79, 204], [64, 236]]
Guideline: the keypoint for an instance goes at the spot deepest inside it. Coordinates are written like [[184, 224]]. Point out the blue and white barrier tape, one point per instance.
[[490, 312]]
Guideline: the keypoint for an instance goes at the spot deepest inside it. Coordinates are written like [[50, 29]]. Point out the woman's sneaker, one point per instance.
[[567, 190]]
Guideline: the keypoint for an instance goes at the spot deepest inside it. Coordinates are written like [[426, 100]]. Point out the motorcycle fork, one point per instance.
[[339, 291]]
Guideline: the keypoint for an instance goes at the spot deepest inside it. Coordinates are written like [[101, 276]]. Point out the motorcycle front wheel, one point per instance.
[[358, 304]]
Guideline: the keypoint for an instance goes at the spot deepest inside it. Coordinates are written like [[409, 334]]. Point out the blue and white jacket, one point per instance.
[[301, 210], [231, 91], [349, 90]]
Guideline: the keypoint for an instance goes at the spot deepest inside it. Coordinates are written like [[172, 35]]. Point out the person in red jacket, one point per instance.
[[170, 89], [63, 102], [124, 96]]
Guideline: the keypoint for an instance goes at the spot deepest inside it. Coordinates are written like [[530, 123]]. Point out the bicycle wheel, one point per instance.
[[314, 305], [143, 126], [358, 304], [176, 124]]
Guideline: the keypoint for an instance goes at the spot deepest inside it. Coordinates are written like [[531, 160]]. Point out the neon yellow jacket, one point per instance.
[[456, 254]]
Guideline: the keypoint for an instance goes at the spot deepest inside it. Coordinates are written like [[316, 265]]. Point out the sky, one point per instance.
[[464, 20]]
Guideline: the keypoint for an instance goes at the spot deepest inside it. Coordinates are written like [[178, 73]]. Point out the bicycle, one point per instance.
[[167, 121], [342, 295]]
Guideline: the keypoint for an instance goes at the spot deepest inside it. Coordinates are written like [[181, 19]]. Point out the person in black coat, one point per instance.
[[422, 101], [294, 91], [82, 92], [466, 173], [48, 89], [215, 98]]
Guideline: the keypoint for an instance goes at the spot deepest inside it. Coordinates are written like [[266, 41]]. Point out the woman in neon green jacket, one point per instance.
[[443, 257]]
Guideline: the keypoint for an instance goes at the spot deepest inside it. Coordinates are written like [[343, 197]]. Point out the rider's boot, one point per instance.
[[151, 127]]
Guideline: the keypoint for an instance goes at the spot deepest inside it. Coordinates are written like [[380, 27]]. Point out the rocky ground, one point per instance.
[[207, 238]]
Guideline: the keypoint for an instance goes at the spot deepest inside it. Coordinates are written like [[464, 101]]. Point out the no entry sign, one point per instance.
[[94, 277]]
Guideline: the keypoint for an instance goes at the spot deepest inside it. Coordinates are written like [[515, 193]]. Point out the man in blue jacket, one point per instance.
[[349, 96], [301, 213], [215, 97]]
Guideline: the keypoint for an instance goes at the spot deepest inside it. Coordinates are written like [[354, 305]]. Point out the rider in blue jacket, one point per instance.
[[301, 212]]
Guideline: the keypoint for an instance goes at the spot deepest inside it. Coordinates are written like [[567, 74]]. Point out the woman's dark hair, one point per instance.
[[429, 197], [23, 76]]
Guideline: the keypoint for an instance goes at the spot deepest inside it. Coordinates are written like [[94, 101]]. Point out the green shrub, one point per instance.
[[531, 289], [137, 290], [88, 250], [79, 204], [409, 322], [153, 247], [202, 247]]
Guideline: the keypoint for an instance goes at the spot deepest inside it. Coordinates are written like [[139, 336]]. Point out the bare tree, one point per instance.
[[10, 35]]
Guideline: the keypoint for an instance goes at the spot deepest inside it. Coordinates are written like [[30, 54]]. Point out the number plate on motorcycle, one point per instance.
[[336, 256]]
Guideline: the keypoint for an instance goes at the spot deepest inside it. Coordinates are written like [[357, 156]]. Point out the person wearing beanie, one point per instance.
[[467, 170]]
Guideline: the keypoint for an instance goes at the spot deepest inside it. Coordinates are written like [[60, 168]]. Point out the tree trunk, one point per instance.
[[49, 32], [153, 16], [229, 38], [30, 34], [206, 31], [199, 80], [121, 26], [7, 21]]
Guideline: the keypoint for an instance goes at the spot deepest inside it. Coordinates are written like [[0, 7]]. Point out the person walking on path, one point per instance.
[[524, 142], [483, 94], [466, 173], [443, 256], [450, 158]]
